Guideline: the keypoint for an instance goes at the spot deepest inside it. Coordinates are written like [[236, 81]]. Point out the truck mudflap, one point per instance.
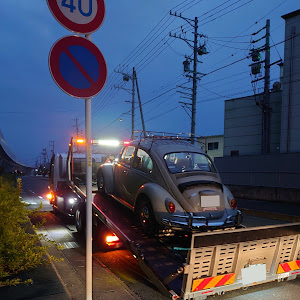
[[228, 260]]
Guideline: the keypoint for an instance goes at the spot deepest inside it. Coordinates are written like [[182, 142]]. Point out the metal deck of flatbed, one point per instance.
[[156, 259]]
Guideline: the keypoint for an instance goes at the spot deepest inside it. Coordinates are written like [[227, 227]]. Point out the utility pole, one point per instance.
[[127, 77], [77, 131], [140, 103], [44, 154], [264, 103], [197, 50], [52, 147], [267, 110], [194, 99], [132, 105], [133, 78]]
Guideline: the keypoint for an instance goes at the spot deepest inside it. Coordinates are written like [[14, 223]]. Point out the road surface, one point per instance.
[[121, 264]]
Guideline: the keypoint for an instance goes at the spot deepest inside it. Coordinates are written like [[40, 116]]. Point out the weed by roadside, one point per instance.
[[20, 247]]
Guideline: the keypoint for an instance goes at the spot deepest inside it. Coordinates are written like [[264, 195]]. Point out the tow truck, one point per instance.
[[202, 264]]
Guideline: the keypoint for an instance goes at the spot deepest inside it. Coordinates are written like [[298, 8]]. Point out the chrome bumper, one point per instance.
[[192, 222]]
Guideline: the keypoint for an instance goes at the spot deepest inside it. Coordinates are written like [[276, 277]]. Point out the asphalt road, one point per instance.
[[121, 264]]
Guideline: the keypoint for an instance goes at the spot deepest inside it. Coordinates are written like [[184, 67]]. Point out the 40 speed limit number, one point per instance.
[[79, 16]]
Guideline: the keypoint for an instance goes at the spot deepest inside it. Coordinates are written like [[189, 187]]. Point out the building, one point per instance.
[[290, 118], [213, 145], [243, 125], [250, 172]]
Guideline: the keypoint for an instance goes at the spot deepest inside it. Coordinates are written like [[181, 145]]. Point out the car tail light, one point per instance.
[[233, 203], [111, 239], [170, 206]]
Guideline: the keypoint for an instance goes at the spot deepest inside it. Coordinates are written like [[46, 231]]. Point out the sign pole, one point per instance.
[[88, 137]]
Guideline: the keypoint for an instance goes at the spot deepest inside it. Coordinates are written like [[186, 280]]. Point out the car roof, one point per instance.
[[163, 146]]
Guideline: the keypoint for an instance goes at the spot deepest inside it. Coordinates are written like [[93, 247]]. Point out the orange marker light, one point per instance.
[[80, 141], [50, 196]]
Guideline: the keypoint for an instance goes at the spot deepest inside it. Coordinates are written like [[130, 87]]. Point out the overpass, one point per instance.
[[8, 161]]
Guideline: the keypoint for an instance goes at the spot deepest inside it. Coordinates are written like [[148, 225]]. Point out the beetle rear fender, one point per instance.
[[108, 175], [227, 197], [157, 196]]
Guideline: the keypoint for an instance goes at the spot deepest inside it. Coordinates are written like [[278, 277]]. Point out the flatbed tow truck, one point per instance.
[[203, 264]]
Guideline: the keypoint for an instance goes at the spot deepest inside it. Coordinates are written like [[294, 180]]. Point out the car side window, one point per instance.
[[127, 155], [143, 161]]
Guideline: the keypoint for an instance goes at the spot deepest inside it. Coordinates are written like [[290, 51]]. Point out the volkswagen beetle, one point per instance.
[[169, 184]]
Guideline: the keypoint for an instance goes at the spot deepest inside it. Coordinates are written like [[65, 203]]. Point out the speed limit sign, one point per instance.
[[79, 16]]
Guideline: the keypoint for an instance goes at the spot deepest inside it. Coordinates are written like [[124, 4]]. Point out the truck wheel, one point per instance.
[[54, 210], [145, 216], [80, 216], [100, 183]]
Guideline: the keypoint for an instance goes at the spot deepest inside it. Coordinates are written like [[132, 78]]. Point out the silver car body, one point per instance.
[[201, 200]]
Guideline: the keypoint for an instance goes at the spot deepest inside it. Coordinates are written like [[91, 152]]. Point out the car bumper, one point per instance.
[[200, 223]]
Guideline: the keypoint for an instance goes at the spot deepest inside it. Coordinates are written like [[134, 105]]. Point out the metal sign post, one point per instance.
[[89, 209], [79, 69]]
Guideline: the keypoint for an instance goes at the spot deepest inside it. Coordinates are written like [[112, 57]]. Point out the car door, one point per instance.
[[122, 169], [139, 174]]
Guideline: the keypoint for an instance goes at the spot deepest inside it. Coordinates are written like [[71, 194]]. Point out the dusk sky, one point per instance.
[[35, 111]]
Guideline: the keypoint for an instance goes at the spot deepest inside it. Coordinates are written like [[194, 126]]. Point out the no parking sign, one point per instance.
[[77, 66]]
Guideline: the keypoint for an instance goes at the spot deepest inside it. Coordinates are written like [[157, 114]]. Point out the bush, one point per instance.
[[20, 248]]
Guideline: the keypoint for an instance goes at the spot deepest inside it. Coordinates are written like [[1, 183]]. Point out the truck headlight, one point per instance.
[[72, 200]]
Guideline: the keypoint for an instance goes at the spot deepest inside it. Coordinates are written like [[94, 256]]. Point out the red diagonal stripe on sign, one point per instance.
[[224, 279], [202, 285], [286, 267], [78, 65], [298, 263]]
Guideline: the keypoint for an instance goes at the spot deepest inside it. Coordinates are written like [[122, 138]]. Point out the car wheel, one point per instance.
[[100, 183], [145, 216], [80, 216]]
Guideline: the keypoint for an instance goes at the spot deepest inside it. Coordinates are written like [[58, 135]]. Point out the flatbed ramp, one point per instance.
[[157, 260], [214, 262]]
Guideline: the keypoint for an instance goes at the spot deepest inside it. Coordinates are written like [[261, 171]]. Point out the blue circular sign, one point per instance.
[[77, 66]]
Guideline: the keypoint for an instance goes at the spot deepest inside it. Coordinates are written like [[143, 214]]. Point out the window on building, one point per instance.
[[213, 146]]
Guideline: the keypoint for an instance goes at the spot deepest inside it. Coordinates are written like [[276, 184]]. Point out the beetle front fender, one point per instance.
[[108, 174]]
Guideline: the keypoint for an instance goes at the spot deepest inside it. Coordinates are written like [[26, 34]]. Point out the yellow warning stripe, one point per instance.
[[288, 266], [211, 282]]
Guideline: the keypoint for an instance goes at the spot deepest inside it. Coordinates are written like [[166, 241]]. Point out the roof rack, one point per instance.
[[158, 135]]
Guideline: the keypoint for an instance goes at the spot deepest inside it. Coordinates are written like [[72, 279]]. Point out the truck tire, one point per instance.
[[100, 182], [80, 219], [145, 217], [54, 210]]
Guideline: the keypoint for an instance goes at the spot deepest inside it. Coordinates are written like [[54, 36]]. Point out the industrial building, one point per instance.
[[273, 172]]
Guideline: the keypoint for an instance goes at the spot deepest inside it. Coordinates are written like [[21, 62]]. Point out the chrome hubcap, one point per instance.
[[145, 214]]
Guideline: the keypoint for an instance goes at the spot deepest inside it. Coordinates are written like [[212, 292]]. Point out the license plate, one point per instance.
[[254, 273], [210, 201]]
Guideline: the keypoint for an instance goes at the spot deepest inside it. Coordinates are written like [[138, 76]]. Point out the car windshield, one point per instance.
[[188, 161]]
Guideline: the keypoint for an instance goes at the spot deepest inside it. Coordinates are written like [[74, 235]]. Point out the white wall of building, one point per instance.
[[243, 125], [213, 145]]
